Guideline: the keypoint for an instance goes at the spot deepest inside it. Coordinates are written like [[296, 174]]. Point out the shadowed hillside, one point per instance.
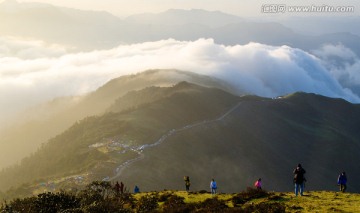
[[260, 138], [155, 136]]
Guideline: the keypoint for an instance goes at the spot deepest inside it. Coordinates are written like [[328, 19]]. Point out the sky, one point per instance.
[[242, 8]]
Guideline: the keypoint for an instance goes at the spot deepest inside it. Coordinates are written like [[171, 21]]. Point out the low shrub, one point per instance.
[[20, 205], [212, 205], [56, 202], [176, 204], [247, 195], [164, 197], [266, 207], [147, 203]]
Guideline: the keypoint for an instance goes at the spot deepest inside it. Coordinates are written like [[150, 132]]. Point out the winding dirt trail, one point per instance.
[[139, 149]]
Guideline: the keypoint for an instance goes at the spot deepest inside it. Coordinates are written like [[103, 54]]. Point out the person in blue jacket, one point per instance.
[[213, 186], [136, 189], [342, 179]]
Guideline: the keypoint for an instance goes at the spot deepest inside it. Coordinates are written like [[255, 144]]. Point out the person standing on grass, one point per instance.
[[136, 189], [342, 179], [213, 186], [117, 188], [187, 183], [299, 180], [121, 187], [258, 184]]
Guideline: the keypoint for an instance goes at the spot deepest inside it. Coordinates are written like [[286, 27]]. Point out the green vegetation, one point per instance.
[[102, 197], [41, 123], [134, 123], [204, 133]]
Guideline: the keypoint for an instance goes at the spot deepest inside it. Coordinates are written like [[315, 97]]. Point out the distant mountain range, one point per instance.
[[87, 30], [154, 136], [176, 17]]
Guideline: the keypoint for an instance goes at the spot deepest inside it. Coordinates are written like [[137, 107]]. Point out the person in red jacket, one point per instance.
[[258, 184]]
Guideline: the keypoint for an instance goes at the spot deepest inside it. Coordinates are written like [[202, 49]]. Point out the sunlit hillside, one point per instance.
[[38, 124]]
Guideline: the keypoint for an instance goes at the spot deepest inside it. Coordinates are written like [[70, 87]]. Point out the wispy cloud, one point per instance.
[[28, 49]]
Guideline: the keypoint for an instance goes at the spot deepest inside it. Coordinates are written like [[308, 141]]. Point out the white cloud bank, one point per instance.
[[33, 72], [343, 64]]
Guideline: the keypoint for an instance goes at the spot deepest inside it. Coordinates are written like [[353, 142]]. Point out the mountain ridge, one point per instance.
[[37, 126], [134, 131], [192, 16], [204, 133]]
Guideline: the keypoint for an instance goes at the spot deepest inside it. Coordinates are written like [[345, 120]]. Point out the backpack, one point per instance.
[[299, 176], [213, 185]]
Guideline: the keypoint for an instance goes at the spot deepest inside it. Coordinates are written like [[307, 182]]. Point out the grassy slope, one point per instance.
[[69, 153], [261, 138], [39, 124], [312, 201]]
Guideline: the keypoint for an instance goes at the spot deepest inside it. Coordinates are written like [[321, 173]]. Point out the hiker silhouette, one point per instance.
[[187, 183], [342, 180], [299, 180]]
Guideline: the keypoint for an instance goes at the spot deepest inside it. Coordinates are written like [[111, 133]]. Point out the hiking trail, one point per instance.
[[139, 149]]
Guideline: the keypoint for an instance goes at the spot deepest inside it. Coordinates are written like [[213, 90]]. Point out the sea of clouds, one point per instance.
[[32, 72]]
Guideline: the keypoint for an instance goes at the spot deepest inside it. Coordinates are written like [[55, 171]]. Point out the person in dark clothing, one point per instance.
[[342, 179], [117, 187], [187, 183], [299, 180], [121, 187]]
